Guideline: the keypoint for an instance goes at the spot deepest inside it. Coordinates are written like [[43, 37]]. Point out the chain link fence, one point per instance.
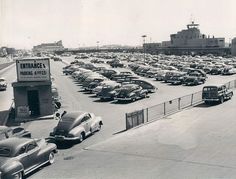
[[169, 107]]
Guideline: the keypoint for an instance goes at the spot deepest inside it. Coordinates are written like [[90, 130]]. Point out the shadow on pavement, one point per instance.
[[102, 100], [119, 132]]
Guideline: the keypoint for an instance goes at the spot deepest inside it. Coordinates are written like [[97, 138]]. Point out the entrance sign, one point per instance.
[[33, 69], [22, 111]]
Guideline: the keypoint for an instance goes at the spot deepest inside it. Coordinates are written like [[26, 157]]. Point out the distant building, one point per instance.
[[48, 47], [233, 47], [151, 46], [189, 41], [192, 37]]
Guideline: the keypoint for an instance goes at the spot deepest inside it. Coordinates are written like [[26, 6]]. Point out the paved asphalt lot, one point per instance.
[[105, 156], [196, 143]]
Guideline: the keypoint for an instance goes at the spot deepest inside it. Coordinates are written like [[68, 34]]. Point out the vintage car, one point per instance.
[[89, 80], [130, 92], [3, 84], [169, 75], [160, 75], [213, 93], [107, 91], [228, 71], [108, 73], [116, 64], [177, 78], [20, 156], [145, 85], [7, 132], [192, 81], [101, 84], [76, 125]]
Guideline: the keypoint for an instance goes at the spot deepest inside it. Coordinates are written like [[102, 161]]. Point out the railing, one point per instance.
[[159, 111]]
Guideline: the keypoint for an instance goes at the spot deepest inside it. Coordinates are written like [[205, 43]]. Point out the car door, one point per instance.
[[32, 151], [22, 156], [84, 123], [87, 122]]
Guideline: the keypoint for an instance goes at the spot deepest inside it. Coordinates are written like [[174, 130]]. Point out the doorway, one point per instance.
[[33, 102]]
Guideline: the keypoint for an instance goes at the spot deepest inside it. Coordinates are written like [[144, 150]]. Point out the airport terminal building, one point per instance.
[[189, 41]]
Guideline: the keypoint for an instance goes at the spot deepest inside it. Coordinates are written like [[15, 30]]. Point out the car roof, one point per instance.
[[74, 114], [15, 142]]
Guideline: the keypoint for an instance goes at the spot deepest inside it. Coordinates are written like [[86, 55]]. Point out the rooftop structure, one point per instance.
[[192, 37], [48, 47]]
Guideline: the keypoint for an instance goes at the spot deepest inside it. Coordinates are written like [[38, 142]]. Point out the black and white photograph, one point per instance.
[[117, 89]]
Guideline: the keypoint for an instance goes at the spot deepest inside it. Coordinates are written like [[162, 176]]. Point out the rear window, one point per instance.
[[5, 152], [210, 89]]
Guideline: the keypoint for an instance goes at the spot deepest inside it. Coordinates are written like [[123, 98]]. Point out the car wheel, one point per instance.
[[81, 138], [221, 99], [51, 158], [18, 175], [145, 95], [99, 127]]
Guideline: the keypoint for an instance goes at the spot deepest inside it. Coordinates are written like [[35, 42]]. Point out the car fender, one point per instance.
[[11, 168], [97, 121], [77, 131]]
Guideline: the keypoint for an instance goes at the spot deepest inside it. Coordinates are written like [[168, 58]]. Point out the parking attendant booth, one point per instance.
[[32, 91]]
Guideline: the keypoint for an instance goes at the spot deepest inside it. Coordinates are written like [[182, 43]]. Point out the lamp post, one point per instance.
[[144, 50]]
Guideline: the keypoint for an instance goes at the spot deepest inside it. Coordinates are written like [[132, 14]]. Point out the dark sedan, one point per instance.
[[7, 132], [107, 91], [20, 156], [130, 92], [145, 85]]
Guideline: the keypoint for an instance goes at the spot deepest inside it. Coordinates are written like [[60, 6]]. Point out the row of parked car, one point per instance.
[[186, 70], [108, 83], [20, 154]]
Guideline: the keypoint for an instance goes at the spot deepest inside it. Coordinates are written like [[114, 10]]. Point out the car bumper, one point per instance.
[[3, 87], [123, 99], [63, 138], [210, 99]]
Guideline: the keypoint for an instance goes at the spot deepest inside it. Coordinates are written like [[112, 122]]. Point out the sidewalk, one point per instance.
[[196, 143]]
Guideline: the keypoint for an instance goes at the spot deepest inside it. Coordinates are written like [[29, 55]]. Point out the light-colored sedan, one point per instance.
[[76, 126]]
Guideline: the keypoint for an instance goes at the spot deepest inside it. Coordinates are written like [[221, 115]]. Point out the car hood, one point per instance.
[[5, 160]]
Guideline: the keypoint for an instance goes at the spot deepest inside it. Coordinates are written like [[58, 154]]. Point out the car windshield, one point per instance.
[[5, 152]]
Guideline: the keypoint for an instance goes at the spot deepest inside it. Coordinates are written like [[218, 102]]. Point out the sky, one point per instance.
[[80, 23]]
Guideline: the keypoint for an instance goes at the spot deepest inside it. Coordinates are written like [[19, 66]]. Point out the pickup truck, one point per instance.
[[216, 93]]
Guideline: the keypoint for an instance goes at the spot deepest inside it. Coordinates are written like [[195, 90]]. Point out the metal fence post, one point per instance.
[[191, 99], [126, 116], [147, 113], [179, 103], [164, 109]]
